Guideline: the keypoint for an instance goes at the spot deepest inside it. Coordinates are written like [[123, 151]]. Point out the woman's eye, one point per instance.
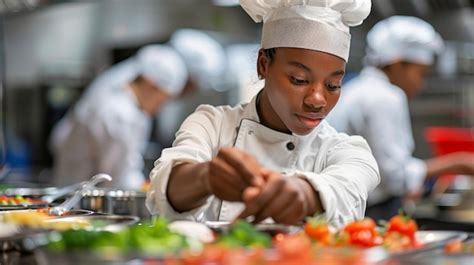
[[332, 87], [297, 81]]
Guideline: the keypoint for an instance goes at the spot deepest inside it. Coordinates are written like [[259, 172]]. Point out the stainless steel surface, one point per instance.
[[25, 238], [272, 229], [20, 207], [100, 222], [112, 201], [431, 240], [456, 203], [74, 200], [29, 192]]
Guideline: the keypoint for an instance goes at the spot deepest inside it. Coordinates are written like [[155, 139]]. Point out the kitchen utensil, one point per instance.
[[74, 200], [113, 201]]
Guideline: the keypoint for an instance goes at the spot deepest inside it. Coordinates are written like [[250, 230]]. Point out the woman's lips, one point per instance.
[[310, 122]]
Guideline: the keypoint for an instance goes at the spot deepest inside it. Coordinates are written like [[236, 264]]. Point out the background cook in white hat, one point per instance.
[[206, 62], [400, 50], [109, 136], [275, 156], [204, 57]]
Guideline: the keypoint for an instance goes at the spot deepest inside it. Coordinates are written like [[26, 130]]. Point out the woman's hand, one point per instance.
[[231, 172], [285, 199]]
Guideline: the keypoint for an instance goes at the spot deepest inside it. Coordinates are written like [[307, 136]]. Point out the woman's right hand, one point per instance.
[[231, 172]]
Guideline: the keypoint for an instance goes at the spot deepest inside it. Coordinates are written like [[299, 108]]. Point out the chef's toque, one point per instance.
[[204, 57], [163, 66], [402, 38], [321, 25]]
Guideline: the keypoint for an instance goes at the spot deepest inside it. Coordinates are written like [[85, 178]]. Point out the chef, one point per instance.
[[275, 156], [206, 63], [400, 51], [109, 136]]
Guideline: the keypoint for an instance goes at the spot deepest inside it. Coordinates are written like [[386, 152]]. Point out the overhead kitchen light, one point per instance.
[[225, 2]]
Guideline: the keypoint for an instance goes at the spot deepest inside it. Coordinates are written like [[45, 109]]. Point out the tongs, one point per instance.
[[73, 200]]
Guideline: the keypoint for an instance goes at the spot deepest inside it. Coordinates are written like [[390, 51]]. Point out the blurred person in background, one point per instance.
[[400, 51], [275, 156], [206, 62], [204, 57], [107, 131]]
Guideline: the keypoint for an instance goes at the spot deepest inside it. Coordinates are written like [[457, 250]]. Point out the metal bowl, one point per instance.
[[103, 222], [111, 201]]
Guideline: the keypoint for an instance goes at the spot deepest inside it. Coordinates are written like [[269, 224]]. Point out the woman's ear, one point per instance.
[[262, 64]]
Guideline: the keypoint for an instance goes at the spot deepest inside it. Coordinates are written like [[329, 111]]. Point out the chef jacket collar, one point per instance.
[[250, 112]]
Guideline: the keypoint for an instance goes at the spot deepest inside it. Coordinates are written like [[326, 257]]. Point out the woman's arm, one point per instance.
[[183, 194], [460, 163], [226, 176]]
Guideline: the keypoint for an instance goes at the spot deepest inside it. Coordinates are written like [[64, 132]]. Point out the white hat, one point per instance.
[[204, 57], [321, 25], [402, 38], [163, 66]]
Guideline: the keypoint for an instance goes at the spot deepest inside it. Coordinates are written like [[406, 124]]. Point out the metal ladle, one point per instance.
[[72, 201]]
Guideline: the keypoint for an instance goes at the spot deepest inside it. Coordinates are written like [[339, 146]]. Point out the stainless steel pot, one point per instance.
[[121, 202]]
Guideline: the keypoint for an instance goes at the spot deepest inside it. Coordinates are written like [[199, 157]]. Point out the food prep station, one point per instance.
[[116, 210]]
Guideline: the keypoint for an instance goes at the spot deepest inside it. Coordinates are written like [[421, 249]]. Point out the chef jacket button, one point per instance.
[[290, 146]]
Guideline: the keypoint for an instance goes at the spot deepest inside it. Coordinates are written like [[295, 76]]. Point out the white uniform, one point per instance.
[[340, 167], [107, 132], [377, 110], [108, 138]]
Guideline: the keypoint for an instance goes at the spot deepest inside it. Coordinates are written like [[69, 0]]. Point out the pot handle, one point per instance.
[[62, 192]]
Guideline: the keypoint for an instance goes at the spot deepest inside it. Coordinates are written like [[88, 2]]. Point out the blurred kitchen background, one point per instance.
[[51, 49]]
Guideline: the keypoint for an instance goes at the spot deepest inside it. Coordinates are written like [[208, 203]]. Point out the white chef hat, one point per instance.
[[204, 57], [402, 38], [321, 25], [163, 66]]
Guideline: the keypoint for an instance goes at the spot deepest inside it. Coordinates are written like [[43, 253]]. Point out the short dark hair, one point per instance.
[[270, 53]]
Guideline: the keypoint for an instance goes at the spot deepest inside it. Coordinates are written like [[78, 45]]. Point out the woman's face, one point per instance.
[[301, 88]]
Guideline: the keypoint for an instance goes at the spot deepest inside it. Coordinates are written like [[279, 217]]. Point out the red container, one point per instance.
[[445, 140]]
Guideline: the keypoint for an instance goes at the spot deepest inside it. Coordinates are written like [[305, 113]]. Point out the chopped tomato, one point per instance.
[[403, 225], [359, 225], [318, 230], [341, 239], [363, 238], [293, 245], [395, 242], [453, 247], [362, 233]]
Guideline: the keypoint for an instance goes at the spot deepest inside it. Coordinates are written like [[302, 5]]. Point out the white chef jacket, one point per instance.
[[377, 110], [107, 137], [340, 167]]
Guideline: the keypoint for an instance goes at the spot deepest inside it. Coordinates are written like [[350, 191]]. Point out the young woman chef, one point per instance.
[[275, 156]]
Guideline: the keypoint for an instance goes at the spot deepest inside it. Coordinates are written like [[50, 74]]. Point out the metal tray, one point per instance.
[[74, 212], [23, 207], [14, 236], [22, 238], [269, 228], [100, 221]]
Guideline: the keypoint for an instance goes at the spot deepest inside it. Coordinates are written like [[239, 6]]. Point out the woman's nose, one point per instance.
[[315, 98]]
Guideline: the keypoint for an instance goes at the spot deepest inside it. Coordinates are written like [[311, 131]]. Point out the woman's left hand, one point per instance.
[[282, 198]]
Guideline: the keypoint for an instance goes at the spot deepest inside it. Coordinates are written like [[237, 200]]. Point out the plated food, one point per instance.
[[360, 242], [19, 202]]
